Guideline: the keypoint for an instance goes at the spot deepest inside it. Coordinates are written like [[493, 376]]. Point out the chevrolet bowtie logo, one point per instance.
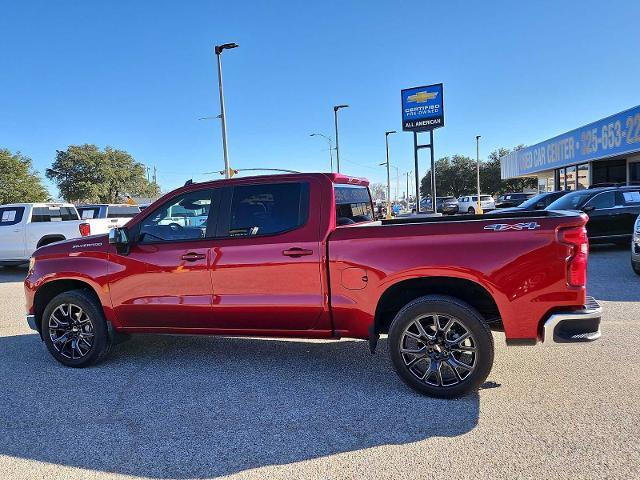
[[422, 97]]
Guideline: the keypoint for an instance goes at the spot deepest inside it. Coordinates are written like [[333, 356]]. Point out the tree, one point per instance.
[[454, 176], [378, 192], [490, 175], [457, 175], [84, 173], [19, 183]]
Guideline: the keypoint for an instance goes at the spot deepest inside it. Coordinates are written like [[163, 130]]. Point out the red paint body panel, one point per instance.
[[247, 286]]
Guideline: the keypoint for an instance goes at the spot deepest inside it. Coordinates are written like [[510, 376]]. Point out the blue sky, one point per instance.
[[137, 75]]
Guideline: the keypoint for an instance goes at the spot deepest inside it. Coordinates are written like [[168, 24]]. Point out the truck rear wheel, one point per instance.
[[441, 346], [74, 329]]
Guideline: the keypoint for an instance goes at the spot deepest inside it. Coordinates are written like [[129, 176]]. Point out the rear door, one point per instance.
[[12, 233], [267, 259]]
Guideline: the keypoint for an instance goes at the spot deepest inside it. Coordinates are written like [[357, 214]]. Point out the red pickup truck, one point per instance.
[[300, 256]]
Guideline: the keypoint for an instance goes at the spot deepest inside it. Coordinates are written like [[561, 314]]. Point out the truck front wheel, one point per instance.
[[74, 329], [441, 346]]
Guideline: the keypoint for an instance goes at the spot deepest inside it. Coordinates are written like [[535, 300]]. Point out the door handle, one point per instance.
[[296, 252], [192, 257]]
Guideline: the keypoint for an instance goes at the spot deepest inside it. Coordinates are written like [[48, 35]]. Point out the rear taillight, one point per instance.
[[578, 243], [85, 229]]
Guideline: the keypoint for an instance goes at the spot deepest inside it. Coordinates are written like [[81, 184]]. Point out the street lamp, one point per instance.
[[218, 50], [335, 117], [479, 205], [386, 142], [328, 139]]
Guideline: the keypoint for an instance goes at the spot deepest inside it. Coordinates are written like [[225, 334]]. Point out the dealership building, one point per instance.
[[604, 152]]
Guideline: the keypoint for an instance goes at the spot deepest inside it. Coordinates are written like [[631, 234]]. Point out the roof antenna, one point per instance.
[[188, 182]]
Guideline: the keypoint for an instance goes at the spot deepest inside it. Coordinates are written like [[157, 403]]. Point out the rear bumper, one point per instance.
[[574, 327]]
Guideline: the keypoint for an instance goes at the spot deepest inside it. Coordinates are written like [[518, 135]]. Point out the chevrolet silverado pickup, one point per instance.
[[300, 256]]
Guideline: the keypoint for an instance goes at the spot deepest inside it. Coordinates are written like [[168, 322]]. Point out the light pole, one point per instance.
[[328, 139], [335, 117], [388, 165], [223, 116], [479, 205]]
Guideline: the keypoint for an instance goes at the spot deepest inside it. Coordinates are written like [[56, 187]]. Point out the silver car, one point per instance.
[[635, 247]]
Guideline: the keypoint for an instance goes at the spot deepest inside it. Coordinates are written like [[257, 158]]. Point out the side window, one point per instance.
[[268, 209], [185, 217], [11, 215], [631, 198], [603, 200]]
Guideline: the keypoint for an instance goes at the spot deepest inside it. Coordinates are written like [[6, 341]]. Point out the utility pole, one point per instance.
[[335, 118], [388, 165], [479, 205], [223, 116], [328, 139]]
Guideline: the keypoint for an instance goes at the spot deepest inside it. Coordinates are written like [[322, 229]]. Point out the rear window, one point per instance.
[[11, 215], [53, 214], [353, 204], [122, 212]]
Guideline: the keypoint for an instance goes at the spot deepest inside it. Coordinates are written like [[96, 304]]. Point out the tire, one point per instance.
[[450, 368], [636, 267], [87, 341], [471, 211]]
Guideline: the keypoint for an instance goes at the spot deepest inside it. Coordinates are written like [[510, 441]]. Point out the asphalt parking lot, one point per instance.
[[184, 407]]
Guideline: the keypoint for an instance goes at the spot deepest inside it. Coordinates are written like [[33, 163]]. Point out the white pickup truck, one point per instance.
[[24, 227], [103, 216]]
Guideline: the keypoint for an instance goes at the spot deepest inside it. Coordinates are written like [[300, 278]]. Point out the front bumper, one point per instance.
[[573, 327], [31, 320]]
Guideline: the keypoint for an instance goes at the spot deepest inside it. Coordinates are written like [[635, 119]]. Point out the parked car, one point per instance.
[[635, 247], [508, 200], [539, 202], [27, 226], [444, 205], [272, 260], [108, 215], [612, 211], [469, 203]]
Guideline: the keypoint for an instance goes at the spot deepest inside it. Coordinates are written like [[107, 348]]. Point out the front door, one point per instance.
[[604, 215], [164, 280], [267, 260]]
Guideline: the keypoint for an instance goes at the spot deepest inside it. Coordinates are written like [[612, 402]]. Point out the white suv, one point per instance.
[[469, 203]]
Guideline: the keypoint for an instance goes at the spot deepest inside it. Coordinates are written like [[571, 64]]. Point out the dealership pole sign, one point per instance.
[[422, 108]]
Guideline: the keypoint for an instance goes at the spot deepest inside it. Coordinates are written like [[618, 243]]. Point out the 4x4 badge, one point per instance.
[[503, 227]]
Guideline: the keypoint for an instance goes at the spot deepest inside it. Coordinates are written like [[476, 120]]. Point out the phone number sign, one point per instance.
[[422, 108], [618, 134]]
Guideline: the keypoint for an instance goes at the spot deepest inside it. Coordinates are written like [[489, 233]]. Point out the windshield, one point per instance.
[[571, 201], [533, 200]]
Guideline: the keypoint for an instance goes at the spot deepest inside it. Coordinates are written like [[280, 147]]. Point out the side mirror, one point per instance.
[[118, 236], [589, 208]]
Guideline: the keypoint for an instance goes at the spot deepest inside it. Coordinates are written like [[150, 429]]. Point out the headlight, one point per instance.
[[32, 263], [636, 227]]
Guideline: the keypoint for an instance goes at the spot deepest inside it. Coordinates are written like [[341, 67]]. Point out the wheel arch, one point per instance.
[[404, 291], [49, 290], [48, 239]]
